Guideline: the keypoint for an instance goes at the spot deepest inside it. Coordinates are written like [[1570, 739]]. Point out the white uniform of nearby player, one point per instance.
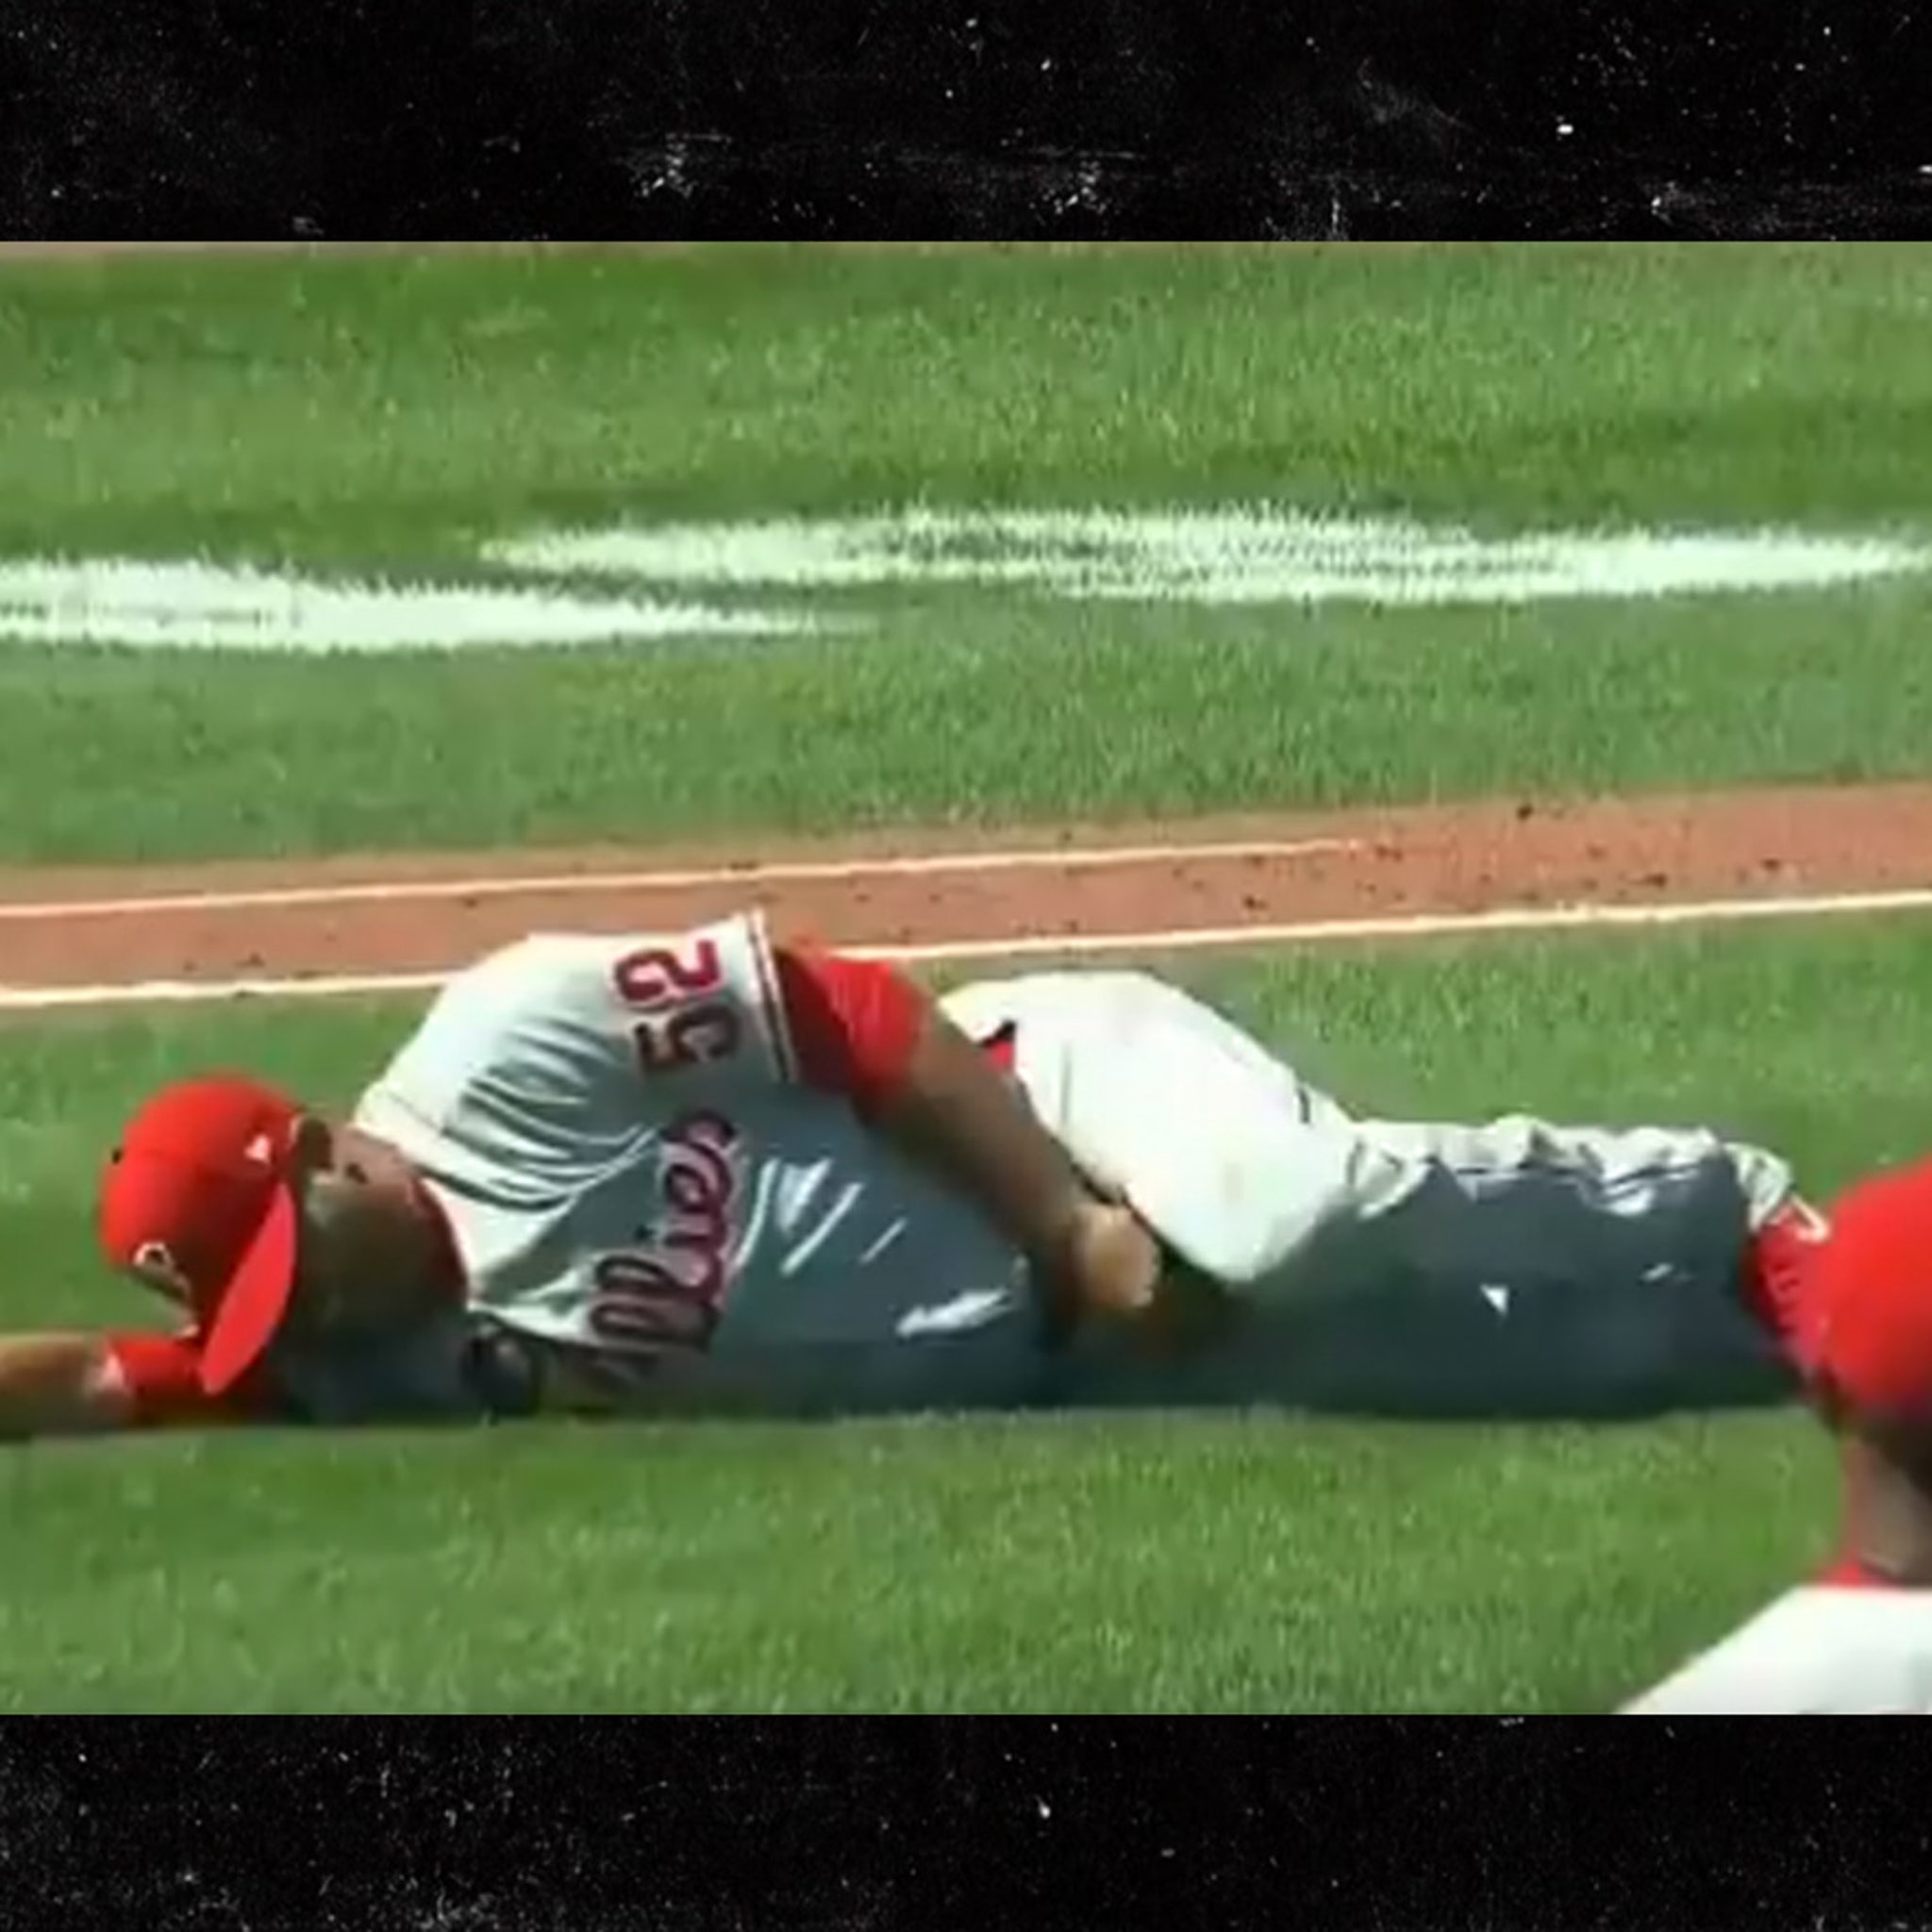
[[632, 1170], [1817, 1652]]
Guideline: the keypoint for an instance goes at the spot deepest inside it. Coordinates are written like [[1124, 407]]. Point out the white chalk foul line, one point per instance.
[[1507, 919], [405, 892]]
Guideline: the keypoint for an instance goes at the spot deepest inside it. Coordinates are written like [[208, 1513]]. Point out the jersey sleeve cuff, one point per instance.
[[853, 1024]]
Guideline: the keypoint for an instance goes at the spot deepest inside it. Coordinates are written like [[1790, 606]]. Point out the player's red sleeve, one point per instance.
[[854, 1022], [161, 1378]]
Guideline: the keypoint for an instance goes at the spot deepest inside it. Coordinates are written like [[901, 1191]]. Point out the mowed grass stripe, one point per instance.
[[403, 414], [1140, 1564]]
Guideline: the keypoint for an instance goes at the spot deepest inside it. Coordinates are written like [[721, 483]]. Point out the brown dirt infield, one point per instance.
[[1411, 860], [98, 927]]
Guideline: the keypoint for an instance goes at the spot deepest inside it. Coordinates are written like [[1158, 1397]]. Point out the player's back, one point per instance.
[[631, 1166]]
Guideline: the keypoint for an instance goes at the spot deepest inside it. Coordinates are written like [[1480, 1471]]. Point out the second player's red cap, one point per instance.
[[1866, 1323], [196, 1201]]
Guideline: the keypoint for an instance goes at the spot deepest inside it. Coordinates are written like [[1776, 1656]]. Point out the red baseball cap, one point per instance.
[[1866, 1323], [196, 1202]]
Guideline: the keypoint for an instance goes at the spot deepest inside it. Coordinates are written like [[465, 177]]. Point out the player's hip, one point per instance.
[[1432, 1352]]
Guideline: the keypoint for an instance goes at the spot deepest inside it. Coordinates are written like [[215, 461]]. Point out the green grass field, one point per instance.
[[403, 413], [397, 415]]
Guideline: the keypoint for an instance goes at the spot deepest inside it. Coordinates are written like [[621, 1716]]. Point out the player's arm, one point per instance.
[[726, 1004], [864, 1030], [90, 1385], [61, 1385]]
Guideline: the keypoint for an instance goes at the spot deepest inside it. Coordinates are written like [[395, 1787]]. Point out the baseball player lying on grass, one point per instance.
[[704, 1173]]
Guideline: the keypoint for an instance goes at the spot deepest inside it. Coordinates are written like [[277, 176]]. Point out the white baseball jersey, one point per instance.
[[1819, 1651], [632, 1169]]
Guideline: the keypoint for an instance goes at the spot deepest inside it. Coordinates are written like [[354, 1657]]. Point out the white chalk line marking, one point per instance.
[[1501, 920], [834, 871]]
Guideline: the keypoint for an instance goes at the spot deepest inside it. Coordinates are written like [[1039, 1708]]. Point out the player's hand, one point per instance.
[[1116, 1276], [1112, 1262]]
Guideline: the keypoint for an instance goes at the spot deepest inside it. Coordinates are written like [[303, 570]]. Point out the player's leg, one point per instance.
[[1581, 1268], [1526, 1271], [1232, 1157], [1514, 1265]]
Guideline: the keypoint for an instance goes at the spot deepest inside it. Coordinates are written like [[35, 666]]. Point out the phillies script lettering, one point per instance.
[[668, 1292]]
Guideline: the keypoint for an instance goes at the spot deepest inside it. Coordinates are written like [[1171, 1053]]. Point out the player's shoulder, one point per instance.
[[531, 995], [469, 1027], [532, 958], [535, 977]]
